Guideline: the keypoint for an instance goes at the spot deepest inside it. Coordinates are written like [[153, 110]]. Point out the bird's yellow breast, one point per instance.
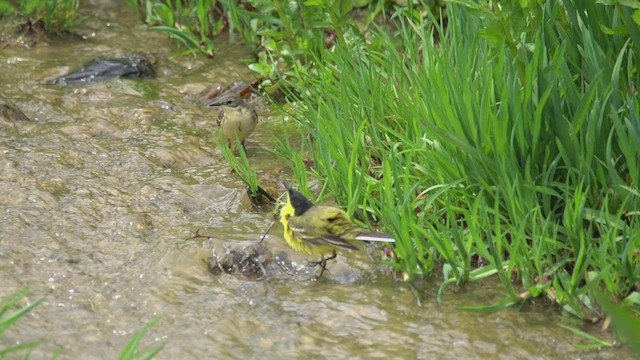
[[237, 122], [293, 234]]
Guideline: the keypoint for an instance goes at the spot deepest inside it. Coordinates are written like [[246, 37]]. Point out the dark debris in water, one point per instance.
[[254, 261], [104, 68]]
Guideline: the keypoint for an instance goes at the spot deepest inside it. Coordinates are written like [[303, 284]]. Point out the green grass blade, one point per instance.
[[131, 350]]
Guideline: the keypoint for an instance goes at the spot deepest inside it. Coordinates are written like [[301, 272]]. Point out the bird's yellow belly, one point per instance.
[[306, 248], [237, 123]]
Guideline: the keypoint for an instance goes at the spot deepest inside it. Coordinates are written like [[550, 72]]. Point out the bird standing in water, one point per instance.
[[319, 230], [236, 117]]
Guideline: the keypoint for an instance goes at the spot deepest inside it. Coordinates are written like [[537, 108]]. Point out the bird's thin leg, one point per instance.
[[323, 263]]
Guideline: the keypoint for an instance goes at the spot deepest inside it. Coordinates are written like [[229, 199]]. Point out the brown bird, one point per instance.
[[237, 118]]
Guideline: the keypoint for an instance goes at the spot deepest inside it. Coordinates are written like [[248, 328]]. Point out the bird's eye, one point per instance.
[[332, 219]]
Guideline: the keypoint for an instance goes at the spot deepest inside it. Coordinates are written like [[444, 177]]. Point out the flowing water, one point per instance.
[[101, 192]]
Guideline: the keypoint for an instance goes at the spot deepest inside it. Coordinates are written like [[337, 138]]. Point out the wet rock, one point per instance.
[[9, 112], [164, 105], [103, 128], [12, 119], [193, 89], [214, 91], [104, 68], [181, 156], [218, 94]]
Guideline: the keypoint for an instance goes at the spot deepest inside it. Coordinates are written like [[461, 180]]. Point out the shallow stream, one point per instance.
[[102, 190]]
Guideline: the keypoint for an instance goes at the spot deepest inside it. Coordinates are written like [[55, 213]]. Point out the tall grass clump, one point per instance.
[[286, 37], [280, 33], [54, 15], [515, 157], [191, 23]]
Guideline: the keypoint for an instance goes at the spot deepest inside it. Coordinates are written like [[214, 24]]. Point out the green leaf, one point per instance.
[[319, 3], [627, 325], [19, 347], [618, 30], [498, 306], [164, 14], [6, 321], [633, 298], [595, 342], [473, 6], [636, 17], [525, 3], [494, 33], [634, 4], [131, 350], [446, 271]]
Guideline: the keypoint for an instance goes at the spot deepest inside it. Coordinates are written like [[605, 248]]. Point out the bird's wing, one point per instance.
[[332, 240], [318, 239]]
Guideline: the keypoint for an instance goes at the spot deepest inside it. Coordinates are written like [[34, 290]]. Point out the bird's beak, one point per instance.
[[287, 187]]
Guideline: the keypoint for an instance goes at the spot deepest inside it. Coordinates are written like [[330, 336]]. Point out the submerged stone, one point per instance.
[[217, 95], [10, 112]]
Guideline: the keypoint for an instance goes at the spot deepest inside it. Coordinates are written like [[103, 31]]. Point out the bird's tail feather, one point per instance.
[[376, 236]]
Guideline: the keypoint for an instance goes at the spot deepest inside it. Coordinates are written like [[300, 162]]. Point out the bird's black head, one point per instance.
[[300, 203]]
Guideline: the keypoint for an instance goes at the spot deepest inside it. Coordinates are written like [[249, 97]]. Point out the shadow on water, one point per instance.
[[102, 190]]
